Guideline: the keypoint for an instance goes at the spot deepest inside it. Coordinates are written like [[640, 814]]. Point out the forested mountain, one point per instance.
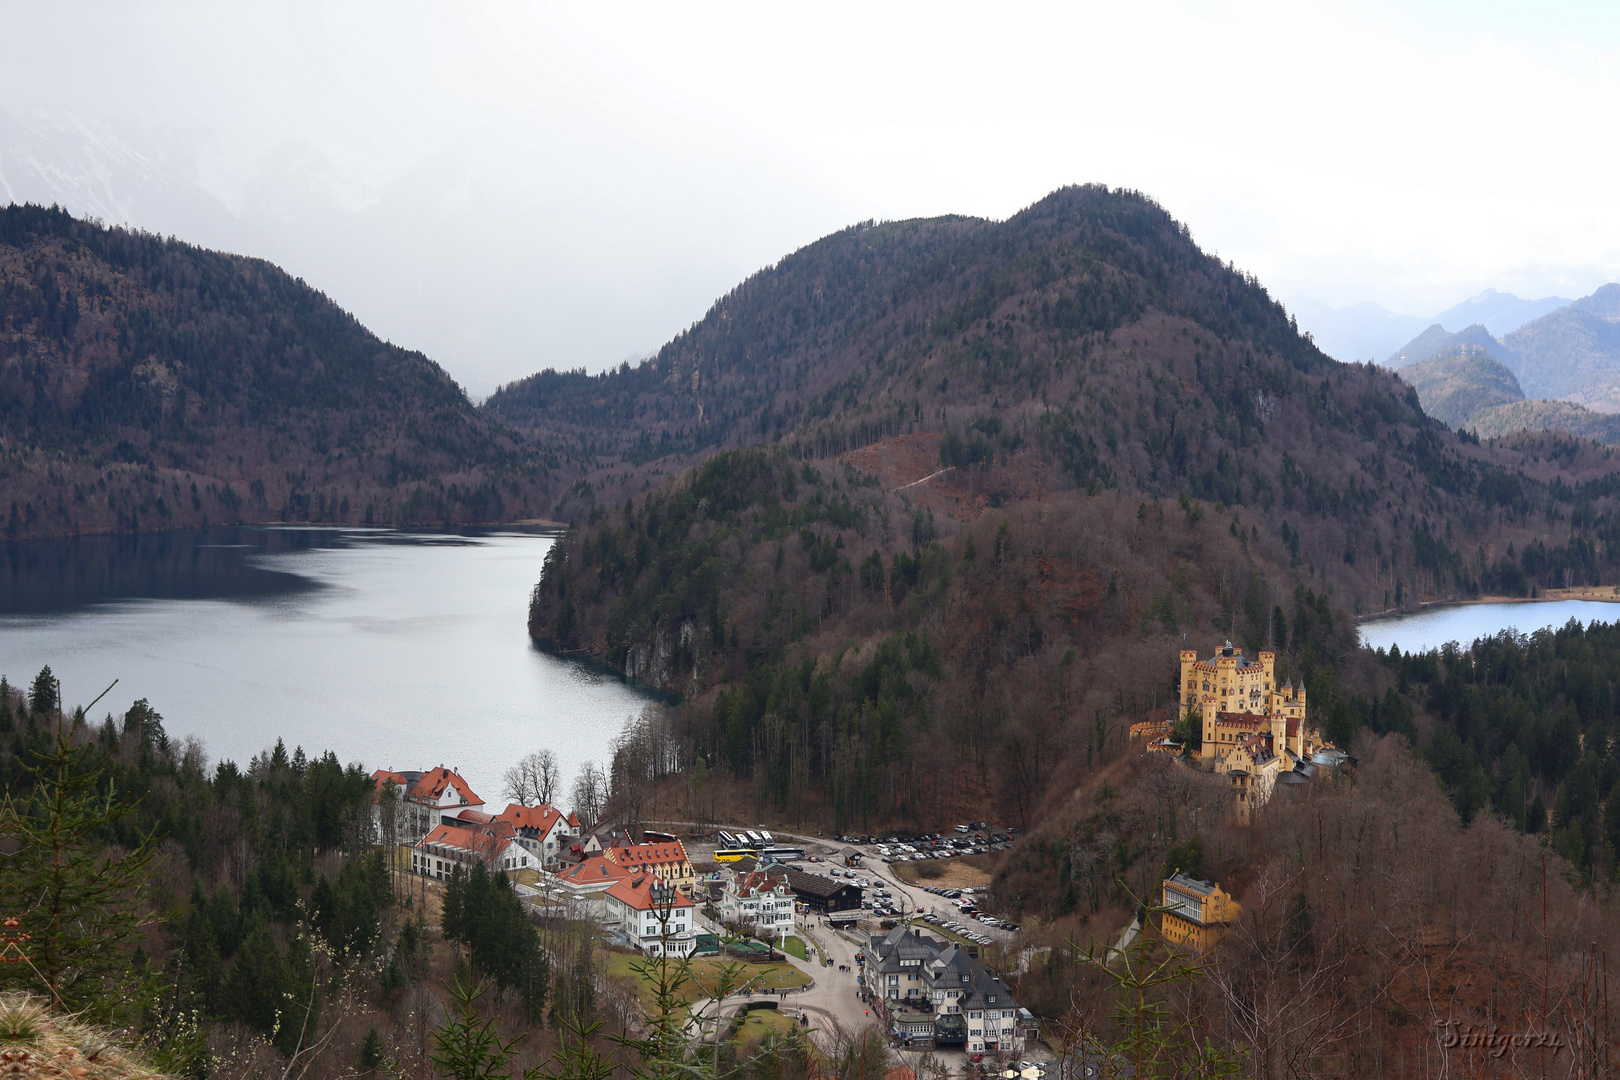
[[1064, 447], [1062, 442], [1574, 352], [767, 354], [1437, 339], [1540, 414], [1458, 383], [148, 384]]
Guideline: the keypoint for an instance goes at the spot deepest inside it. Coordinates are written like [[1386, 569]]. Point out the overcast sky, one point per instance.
[[511, 187]]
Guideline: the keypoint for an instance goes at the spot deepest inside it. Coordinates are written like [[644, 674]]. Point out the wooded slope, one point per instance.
[[149, 384]]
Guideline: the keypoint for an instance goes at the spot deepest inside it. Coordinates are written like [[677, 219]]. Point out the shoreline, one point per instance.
[[1600, 594]]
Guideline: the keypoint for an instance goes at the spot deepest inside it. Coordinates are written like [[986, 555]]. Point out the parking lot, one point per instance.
[[965, 912]]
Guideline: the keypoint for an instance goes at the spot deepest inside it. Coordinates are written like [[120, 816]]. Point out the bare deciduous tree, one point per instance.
[[534, 780], [589, 794]]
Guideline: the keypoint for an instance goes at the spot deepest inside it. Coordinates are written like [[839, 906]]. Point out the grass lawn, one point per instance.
[[760, 1023], [757, 976], [795, 947]]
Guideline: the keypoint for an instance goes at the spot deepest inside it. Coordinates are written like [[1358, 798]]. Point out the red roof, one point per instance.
[[539, 818], [383, 776], [641, 855], [638, 893], [433, 783], [594, 869], [473, 841], [756, 881]]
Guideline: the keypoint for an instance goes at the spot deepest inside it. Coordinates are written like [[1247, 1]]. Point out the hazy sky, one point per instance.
[[509, 187]]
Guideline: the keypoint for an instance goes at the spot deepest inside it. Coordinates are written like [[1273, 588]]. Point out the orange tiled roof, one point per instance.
[[475, 841], [757, 881], [434, 782], [383, 776], [637, 892], [641, 855], [540, 818], [594, 869]]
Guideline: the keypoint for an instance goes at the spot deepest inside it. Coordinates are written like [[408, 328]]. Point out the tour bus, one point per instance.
[[765, 836], [726, 839], [650, 837], [733, 854], [754, 838], [783, 854]]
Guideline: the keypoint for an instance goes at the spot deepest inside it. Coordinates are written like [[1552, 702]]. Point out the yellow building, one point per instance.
[[1236, 698], [1199, 912]]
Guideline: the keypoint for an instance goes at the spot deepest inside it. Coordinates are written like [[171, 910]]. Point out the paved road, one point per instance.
[[834, 997]]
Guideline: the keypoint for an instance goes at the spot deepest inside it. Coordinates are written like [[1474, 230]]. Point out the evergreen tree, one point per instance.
[[42, 696], [82, 902], [259, 983], [371, 1050], [467, 1046]]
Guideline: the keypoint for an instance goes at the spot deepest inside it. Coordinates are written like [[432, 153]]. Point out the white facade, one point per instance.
[[438, 853], [999, 1026], [769, 908], [654, 922]]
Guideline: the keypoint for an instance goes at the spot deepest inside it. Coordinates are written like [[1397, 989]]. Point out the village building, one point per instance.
[[652, 915], [666, 859], [544, 830], [1200, 912], [583, 887], [761, 899], [933, 992], [825, 896], [424, 801], [468, 842]]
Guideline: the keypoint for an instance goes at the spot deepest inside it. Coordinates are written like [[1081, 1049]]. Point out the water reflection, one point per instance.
[[392, 649]]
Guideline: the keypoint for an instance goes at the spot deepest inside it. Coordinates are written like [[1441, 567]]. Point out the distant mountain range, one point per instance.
[[1370, 330], [1468, 388], [1461, 382], [1569, 356]]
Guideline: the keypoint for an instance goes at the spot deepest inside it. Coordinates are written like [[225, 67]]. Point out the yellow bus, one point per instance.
[[733, 854]]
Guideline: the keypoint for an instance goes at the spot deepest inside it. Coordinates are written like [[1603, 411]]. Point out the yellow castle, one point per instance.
[[1252, 728]]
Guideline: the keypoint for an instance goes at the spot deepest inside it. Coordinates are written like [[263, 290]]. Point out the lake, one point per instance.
[[391, 649], [1463, 623]]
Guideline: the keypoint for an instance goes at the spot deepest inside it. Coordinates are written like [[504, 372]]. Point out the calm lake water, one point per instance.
[[1463, 623], [390, 649]]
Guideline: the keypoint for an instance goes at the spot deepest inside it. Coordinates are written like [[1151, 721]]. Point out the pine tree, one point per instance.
[[42, 700], [371, 1050], [467, 1046], [82, 903]]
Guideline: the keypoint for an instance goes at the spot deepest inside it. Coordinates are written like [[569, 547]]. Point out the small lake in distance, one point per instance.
[[1464, 623], [391, 649]]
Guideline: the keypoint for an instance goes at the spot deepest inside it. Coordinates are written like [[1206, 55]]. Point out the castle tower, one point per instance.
[[1188, 686]]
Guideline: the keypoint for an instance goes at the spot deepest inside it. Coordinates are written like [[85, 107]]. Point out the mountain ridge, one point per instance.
[[149, 384]]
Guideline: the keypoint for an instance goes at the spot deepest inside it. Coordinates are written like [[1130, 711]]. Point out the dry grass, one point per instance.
[[37, 1043], [965, 872]]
